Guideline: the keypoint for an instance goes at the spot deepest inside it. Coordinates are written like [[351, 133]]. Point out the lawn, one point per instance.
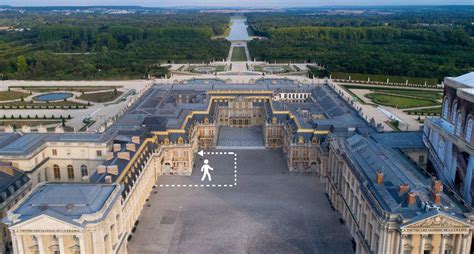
[[238, 54], [432, 95], [42, 89], [399, 101], [101, 97], [11, 95]]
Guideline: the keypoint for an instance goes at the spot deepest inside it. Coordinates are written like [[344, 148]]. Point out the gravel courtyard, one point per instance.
[[267, 211]]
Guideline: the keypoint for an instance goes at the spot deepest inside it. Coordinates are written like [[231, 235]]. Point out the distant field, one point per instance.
[[238, 54]]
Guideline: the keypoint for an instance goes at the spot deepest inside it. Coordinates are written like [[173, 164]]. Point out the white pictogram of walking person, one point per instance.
[[205, 168]]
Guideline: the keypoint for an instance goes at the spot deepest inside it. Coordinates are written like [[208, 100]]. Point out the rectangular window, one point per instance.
[[55, 152], [99, 153]]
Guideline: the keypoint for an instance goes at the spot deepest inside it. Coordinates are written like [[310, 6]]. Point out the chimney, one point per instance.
[[101, 169], [437, 198], [403, 188], [59, 129], [123, 155], [117, 147], [9, 129], [108, 179], [131, 147], [25, 129], [109, 156], [41, 129], [379, 177], [437, 186], [113, 169], [136, 139], [411, 198]]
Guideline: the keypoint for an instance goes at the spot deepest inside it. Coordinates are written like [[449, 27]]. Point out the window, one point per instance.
[[56, 171], [468, 130], [99, 153], [458, 125], [445, 108], [84, 171], [70, 172], [55, 152], [454, 109]]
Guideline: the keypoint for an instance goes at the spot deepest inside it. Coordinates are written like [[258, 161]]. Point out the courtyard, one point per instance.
[[262, 209]]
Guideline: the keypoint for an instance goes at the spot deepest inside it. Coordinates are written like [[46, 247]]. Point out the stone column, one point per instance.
[[16, 243], [396, 244], [61, 244], [422, 244], [442, 248], [82, 244], [464, 243], [39, 238], [401, 243], [99, 245], [389, 242]]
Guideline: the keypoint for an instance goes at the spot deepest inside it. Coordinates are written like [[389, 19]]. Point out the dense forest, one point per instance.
[[431, 43], [52, 46]]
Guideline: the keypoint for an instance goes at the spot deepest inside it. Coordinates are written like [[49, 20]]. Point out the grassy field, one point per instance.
[[412, 91], [11, 95], [261, 68], [383, 78], [101, 97], [399, 101], [193, 68], [238, 55], [42, 89]]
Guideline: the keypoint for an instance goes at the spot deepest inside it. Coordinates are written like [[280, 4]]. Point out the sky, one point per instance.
[[232, 3]]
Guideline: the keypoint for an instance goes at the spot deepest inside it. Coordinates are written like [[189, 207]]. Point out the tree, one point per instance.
[[21, 65]]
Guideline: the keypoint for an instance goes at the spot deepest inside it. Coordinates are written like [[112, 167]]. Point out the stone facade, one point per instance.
[[450, 137]]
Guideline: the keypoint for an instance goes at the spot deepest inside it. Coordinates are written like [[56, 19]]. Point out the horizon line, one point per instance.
[[240, 7]]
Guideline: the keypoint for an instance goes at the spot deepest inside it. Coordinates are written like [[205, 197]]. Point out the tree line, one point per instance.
[[106, 47], [411, 43]]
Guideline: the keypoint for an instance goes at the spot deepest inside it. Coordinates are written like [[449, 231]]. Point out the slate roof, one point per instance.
[[65, 201], [367, 157]]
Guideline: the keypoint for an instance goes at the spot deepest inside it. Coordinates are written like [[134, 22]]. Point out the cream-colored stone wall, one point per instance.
[[371, 233]]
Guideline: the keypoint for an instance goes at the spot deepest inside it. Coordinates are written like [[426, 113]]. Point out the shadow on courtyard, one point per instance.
[[268, 211]]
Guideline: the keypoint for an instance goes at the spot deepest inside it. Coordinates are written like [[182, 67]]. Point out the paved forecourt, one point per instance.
[[262, 210]]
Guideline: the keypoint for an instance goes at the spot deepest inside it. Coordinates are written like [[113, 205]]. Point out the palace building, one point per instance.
[[450, 137], [89, 188]]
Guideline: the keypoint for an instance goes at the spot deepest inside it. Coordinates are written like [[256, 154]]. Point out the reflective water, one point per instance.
[[53, 96], [238, 30]]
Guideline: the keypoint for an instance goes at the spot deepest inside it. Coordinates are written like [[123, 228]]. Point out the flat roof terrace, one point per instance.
[[268, 211]]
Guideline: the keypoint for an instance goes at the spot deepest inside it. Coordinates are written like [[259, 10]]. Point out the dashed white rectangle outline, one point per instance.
[[210, 185]]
